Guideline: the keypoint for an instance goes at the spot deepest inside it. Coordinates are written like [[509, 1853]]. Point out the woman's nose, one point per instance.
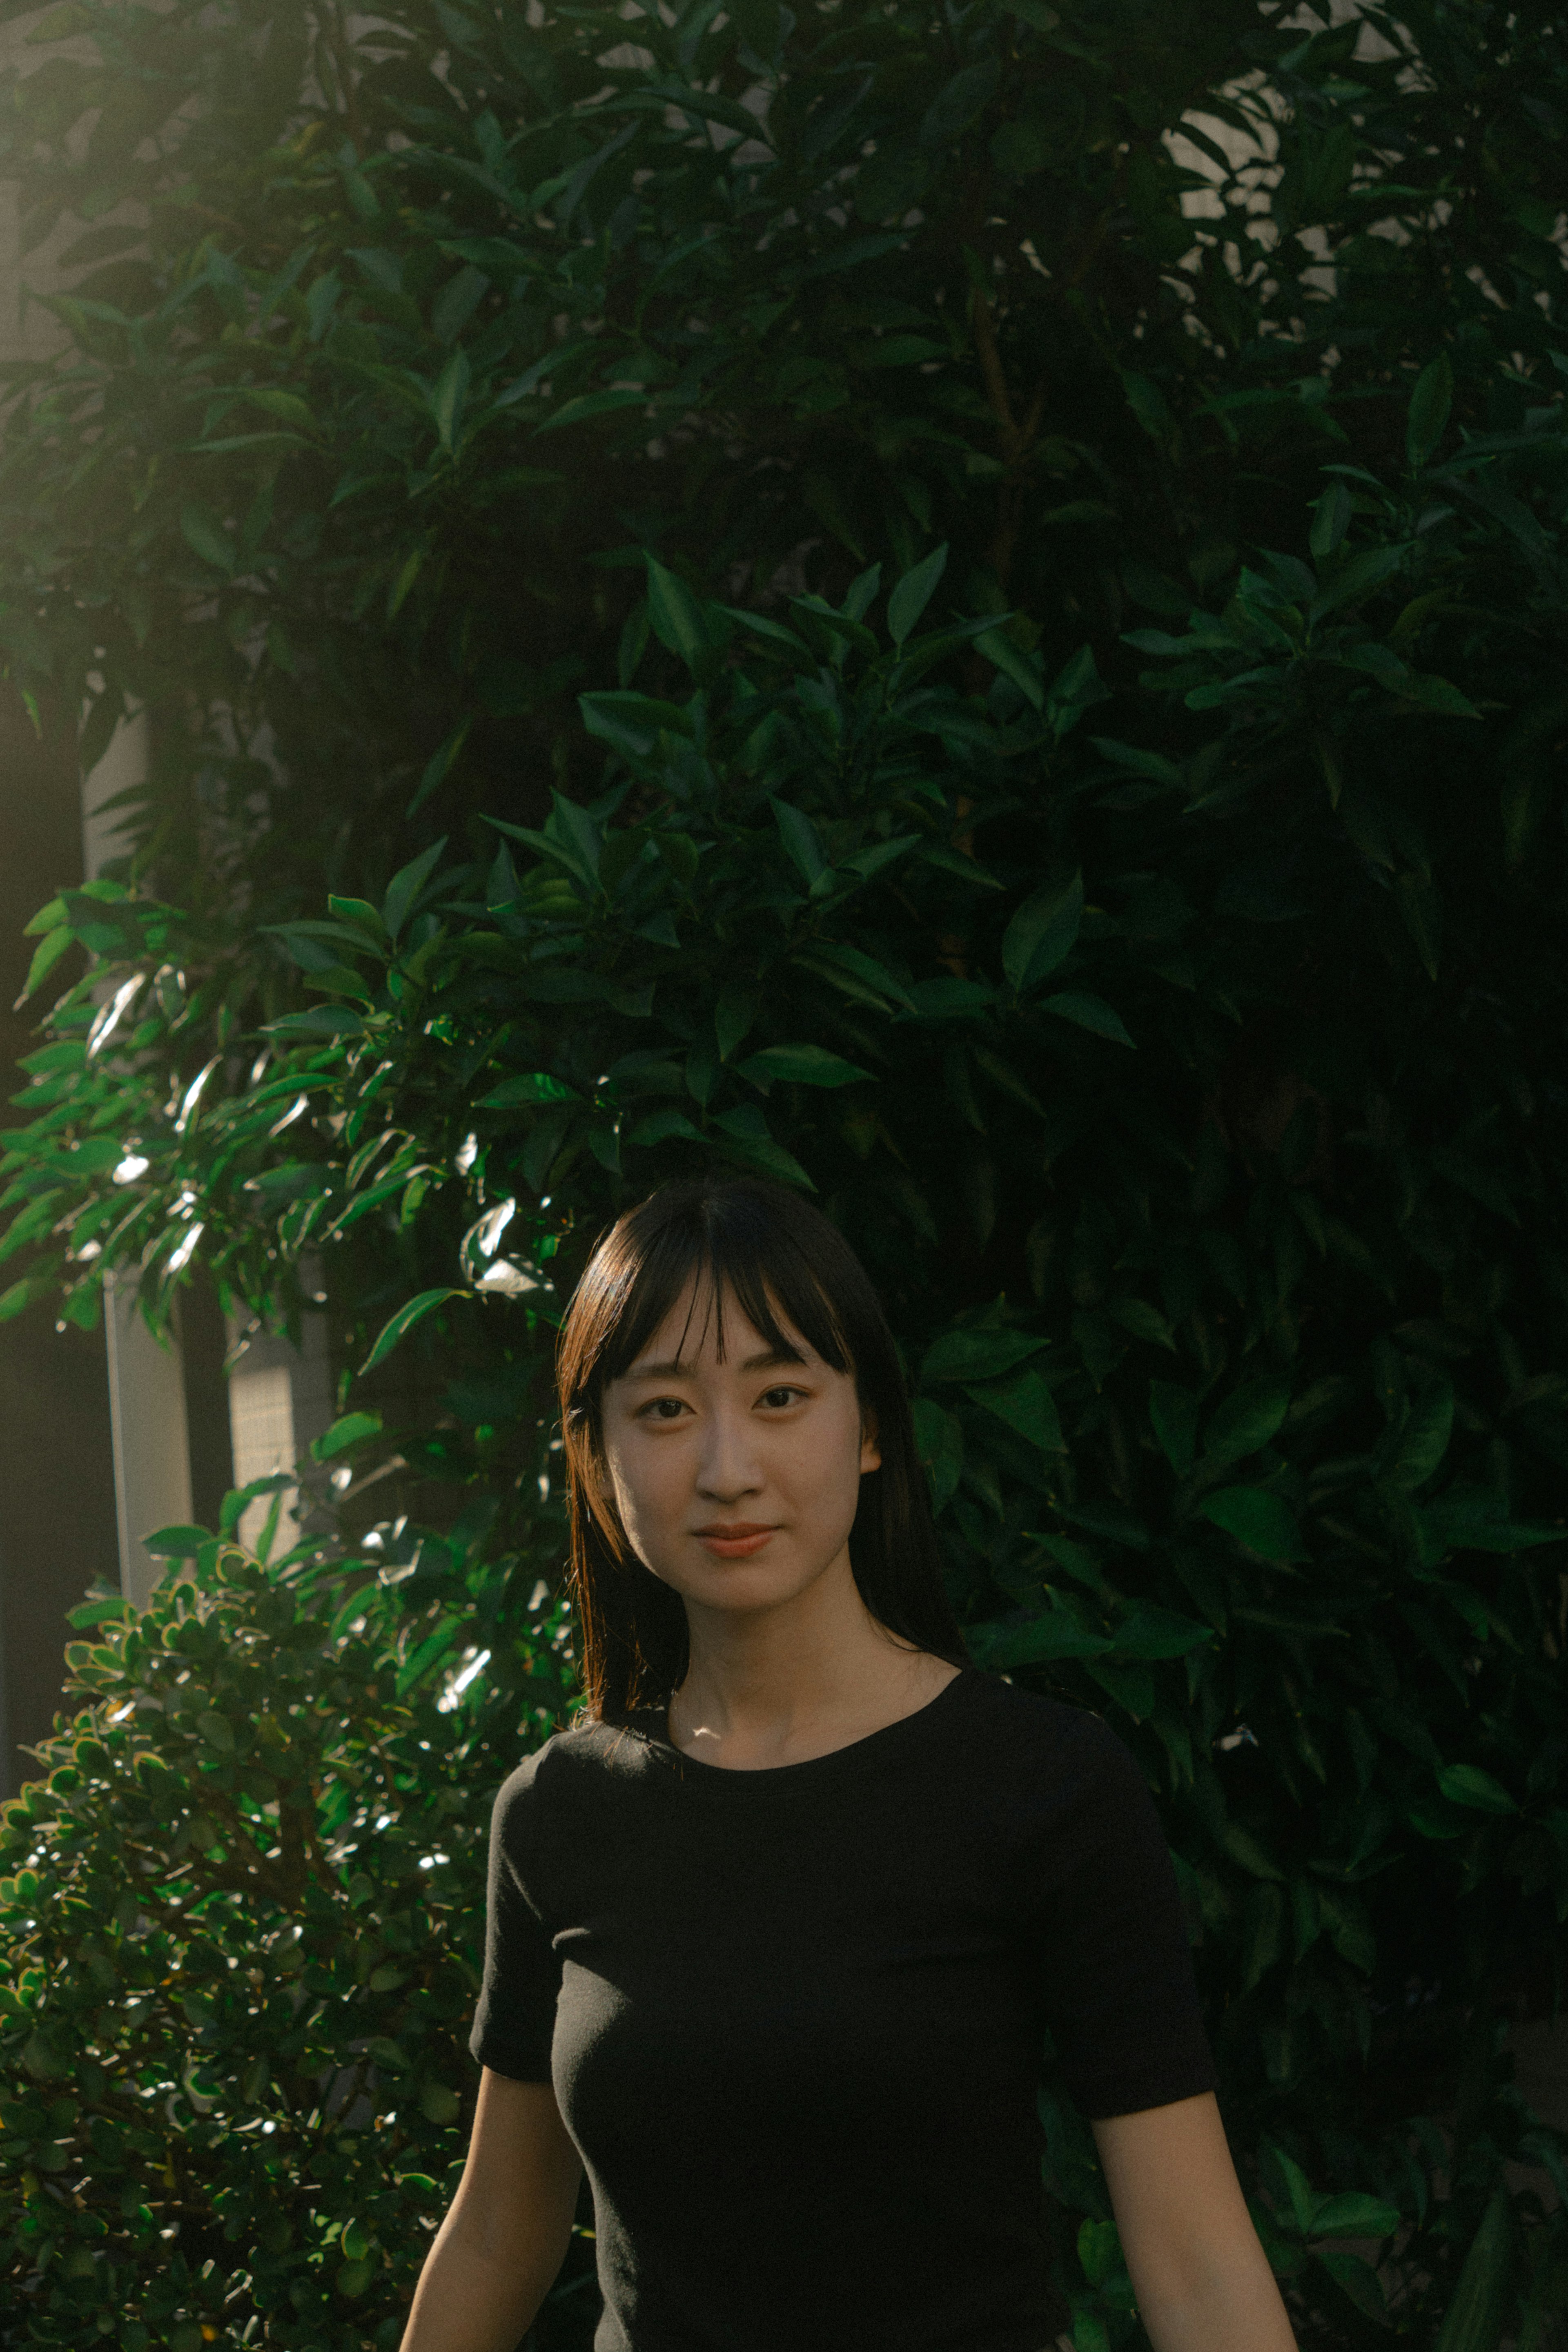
[[728, 1466]]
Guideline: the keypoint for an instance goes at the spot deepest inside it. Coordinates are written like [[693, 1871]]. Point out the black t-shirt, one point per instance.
[[795, 2017]]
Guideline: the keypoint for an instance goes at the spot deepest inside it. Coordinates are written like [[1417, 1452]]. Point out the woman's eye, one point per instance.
[[664, 1409], [780, 1397]]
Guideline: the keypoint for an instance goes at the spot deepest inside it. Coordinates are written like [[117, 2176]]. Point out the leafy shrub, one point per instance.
[[1219, 1212], [245, 1903]]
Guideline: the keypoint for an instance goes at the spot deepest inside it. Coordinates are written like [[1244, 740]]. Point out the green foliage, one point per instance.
[[243, 1907], [774, 289], [1022, 693], [1232, 1415]]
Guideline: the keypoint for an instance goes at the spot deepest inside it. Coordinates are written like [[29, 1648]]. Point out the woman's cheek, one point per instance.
[[650, 1497], [824, 1496]]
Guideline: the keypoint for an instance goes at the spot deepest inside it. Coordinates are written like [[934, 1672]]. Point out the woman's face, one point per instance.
[[736, 1481]]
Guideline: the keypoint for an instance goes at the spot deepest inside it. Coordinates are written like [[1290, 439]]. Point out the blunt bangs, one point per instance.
[[740, 1256]]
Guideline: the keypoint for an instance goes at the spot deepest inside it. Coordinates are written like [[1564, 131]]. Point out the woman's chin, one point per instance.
[[742, 1585]]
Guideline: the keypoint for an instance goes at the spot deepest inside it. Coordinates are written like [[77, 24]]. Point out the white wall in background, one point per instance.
[[146, 1375], [280, 1401], [151, 1450]]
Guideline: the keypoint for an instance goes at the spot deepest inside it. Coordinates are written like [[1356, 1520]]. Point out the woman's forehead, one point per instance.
[[707, 1325]]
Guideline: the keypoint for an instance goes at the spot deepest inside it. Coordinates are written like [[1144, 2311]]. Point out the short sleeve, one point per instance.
[[1120, 1995], [515, 2021]]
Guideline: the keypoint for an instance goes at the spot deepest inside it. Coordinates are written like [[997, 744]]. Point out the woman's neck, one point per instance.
[[779, 1687]]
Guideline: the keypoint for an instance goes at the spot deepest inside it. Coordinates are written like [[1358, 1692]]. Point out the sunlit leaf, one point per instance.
[[397, 1326]]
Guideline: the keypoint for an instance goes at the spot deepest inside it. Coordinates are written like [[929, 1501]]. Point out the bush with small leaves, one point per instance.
[[242, 1909]]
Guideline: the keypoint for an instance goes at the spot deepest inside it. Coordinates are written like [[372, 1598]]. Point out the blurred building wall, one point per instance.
[[56, 1491], [103, 1436]]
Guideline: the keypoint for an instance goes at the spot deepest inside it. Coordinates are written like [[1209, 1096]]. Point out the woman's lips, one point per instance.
[[735, 1541]]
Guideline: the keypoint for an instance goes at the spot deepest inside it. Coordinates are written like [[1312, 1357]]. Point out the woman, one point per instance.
[[777, 1927]]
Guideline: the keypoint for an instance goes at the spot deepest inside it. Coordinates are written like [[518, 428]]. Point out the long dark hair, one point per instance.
[[774, 1256]]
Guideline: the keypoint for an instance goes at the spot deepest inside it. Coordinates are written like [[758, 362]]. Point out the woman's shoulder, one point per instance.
[[1065, 1753], [1060, 1790], [1007, 1713], [562, 1774]]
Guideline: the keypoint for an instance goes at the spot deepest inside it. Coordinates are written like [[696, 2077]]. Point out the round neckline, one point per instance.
[[856, 1755]]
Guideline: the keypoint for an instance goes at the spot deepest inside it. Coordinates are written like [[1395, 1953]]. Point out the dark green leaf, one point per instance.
[[586, 404], [939, 1437], [527, 1087], [1357, 578], [1043, 932], [1358, 2279], [661, 1127], [1474, 1523], [23, 1294], [958, 104], [801, 1066], [1174, 1414], [1330, 522], [1148, 405], [203, 531], [1132, 760], [1467, 1784], [1090, 1013], [1151, 1633], [1033, 1641], [1022, 1400], [1423, 1436], [999, 649], [440, 764], [1261, 1521], [1428, 412], [675, 614], [978, 1355], [1145, 1322], [853, 972], [1076, 688], [735, 1015], [1475, 2319], [176, 1543], [53, 946], [448, 398], [350, 1429], [913, 592], [1354, 2215], [947, 999], [631, 723], [1245, 1420], [1252, 1856], [799, 835]]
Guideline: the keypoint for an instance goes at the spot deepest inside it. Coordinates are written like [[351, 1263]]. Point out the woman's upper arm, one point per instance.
[[523, 2165], [1178, 2204]]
